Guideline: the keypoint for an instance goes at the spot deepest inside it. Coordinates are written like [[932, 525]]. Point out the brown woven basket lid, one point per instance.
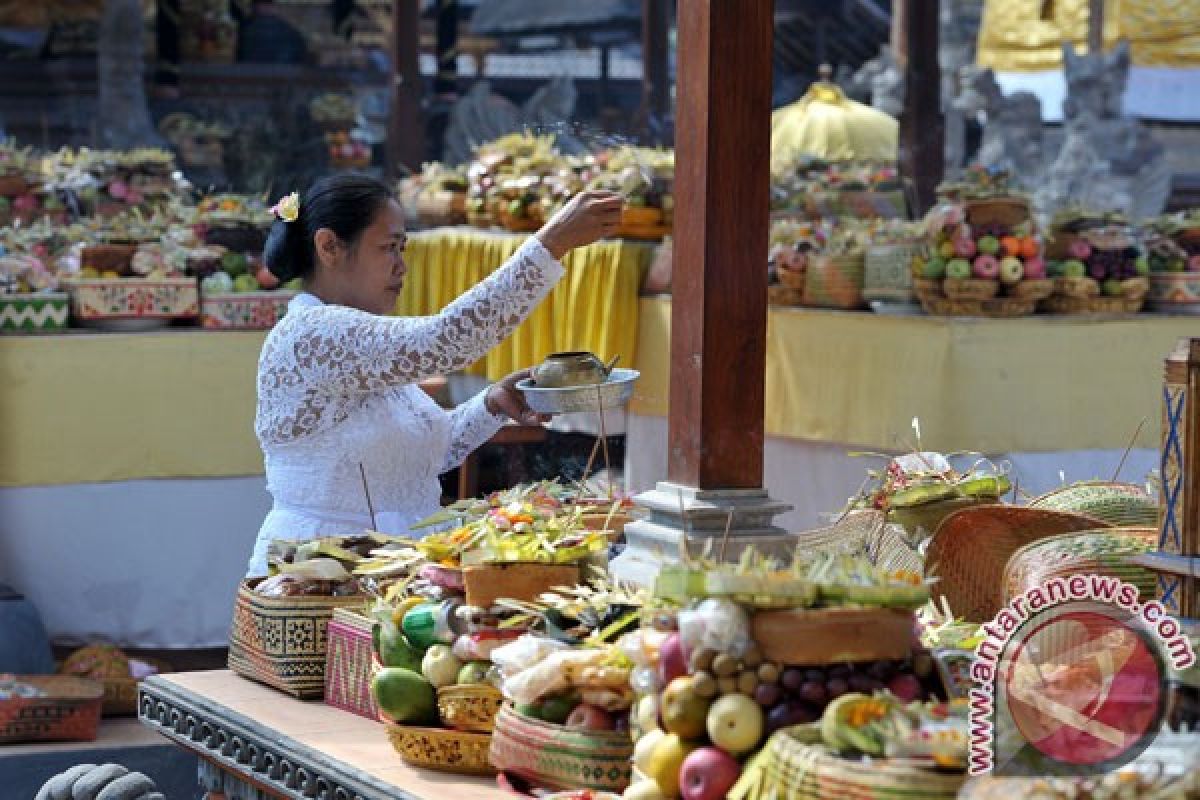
[[970, 549]]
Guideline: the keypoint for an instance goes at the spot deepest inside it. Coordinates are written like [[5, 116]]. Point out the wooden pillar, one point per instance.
[[406, 128], [922, 137], [719, 284], [446, 82], [656, 80], [1095, 39]]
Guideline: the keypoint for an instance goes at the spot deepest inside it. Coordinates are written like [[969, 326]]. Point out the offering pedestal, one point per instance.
[[683, 519]]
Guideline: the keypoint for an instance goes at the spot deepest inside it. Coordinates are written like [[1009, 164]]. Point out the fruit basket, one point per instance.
[[442, 750], [42, 312], [349, 664], [835, 280], [282, 641], [118, 673], [1107, 552], [984, 258], [155, 301], [555, 757], [1101, 268], [57, 708]]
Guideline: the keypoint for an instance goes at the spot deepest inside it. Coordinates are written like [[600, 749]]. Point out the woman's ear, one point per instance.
[[328, 247]]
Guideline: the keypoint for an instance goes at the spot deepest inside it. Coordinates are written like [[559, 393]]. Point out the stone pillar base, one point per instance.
[[681, 517]]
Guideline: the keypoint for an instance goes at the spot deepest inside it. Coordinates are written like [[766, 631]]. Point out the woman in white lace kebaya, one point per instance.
[[337, 379]]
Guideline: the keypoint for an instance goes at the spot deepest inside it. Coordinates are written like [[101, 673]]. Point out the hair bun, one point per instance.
[[284, 253]]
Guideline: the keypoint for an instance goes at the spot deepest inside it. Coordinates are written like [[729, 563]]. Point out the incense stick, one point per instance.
[[370, 507], [1132, 442], [604, 441]]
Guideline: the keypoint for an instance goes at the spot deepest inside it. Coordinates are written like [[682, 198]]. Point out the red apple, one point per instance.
[[265, 278], [672, 660], [1035, 268], [708, 774], [590, 718]]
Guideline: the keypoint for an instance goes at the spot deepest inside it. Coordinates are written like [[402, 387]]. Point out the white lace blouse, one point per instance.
[[337, 387]]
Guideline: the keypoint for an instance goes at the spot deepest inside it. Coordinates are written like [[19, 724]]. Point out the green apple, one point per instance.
[[439, 666], [473, 672], [1011, 269], [735, 723], [958, 268], [1074, 268], [645, 746], [946, 249], [1176, 265], [1112, 287], [1142, 265], [934, 268], [989, 245], [245, 283]]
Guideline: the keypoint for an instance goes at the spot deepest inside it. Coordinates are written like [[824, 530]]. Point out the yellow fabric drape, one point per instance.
[[1027, 35], [594, 307], [1040, 384]]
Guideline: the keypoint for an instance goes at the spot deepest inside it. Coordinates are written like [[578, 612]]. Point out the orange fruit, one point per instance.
[[1011, 245], [1029, 247]]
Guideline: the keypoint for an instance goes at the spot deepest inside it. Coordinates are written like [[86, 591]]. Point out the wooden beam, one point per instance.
[[1095, 31], [922, 137], [406, 126], [446, 81], [722, 185], [656, 80]]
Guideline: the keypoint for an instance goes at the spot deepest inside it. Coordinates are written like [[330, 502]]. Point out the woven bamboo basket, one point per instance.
[[795, 765], [1120, 504], [1106, 552], [1077, 287], [70, 711], [888, 271], [441, 208], [350, 664], [1038, 289], [835, 281], [971, 548], [970, 288], [282, 641], [783, 296], [999, 307], [791, 278], [866, 532], [470, 708], [1058, 304], [1004, 211], [443, 750], [553, 757]]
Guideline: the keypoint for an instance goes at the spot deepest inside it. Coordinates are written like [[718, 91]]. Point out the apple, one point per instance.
[[672, 660], [1112, 287], [708, 774], [1193, 263], [473, 672], [1035, 268], [683, 711], [933, 269], [266, 279], [1011, 269], [906, 687], [946, 250], [664, 764], [1074, 268], [26, 202], [958, 268], [985, 267], [964, 247], [1079, 249], [590, 718], [735, 723], [1142, 265], [989, 245]]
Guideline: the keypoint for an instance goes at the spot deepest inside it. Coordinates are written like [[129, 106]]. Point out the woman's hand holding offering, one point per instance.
[[505, 399], [586, 217]]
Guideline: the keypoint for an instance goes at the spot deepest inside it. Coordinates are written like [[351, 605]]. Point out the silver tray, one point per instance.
[[613, 393]]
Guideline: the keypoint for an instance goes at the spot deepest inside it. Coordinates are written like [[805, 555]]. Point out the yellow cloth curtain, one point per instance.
[[594, 307], [1039, 384], [1027, 35]]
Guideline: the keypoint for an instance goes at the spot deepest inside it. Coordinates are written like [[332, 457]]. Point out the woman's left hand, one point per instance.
[[505, 399]]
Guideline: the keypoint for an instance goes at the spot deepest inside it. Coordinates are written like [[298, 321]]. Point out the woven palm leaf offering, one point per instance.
[[920, 489]]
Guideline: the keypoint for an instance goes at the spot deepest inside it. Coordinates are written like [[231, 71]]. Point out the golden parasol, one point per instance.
[[826, 124]]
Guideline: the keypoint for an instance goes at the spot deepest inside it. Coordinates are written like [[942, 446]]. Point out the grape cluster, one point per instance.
[[1113, 264]]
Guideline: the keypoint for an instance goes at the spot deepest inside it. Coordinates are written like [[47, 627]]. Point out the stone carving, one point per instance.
[[958, 30], [481, 116], [884, 79], [1012, 134], [1108, 160], [123, 116]]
